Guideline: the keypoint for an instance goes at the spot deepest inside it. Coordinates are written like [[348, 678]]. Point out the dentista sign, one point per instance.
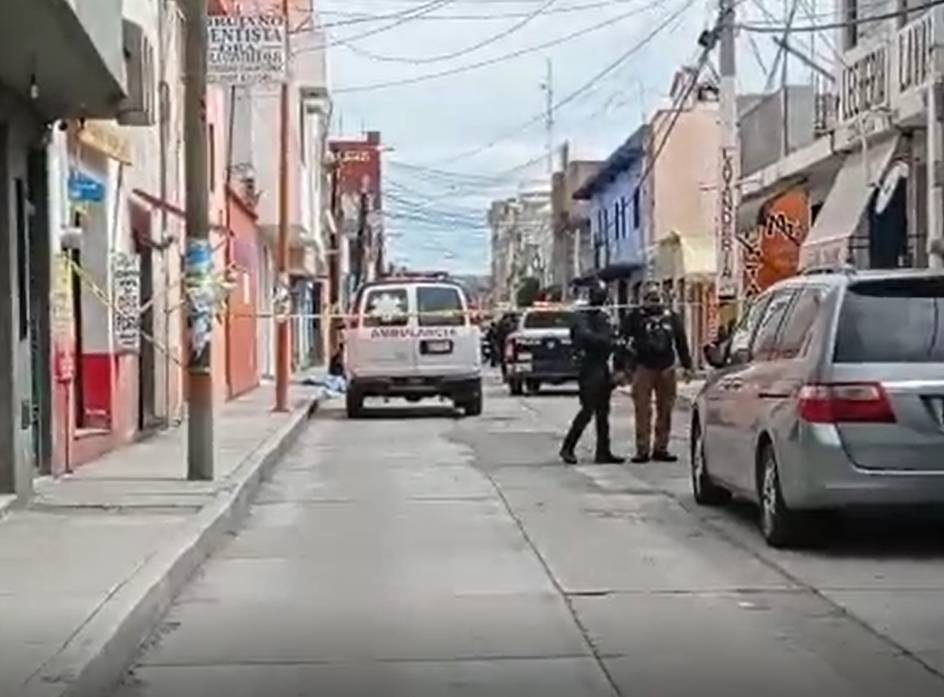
[[245, 49]]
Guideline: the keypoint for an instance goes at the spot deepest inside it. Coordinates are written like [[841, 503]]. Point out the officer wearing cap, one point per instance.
[[594, 341]]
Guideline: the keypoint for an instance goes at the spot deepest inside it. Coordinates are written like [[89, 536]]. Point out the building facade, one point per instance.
[[358, 198], [91, 159], [858, 190], [618, 215], [572, 253], [521, 241], [79, 74]]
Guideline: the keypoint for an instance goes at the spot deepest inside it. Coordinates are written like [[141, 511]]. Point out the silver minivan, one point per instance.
[[828, 394]]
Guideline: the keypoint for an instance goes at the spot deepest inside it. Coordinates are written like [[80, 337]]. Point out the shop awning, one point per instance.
[[828, 241]]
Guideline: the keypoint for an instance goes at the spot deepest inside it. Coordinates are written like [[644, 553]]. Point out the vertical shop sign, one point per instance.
[[62, 319], [126, 285], [727, 286]]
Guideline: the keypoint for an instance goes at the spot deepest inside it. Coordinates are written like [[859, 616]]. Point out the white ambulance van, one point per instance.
[[412, 338]]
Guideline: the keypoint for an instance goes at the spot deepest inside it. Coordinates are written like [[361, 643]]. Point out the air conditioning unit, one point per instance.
[[140, 107]]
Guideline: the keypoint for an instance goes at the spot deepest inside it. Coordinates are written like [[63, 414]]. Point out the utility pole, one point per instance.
[[199, 257], [548, 86], [728, 281], [282, 343]]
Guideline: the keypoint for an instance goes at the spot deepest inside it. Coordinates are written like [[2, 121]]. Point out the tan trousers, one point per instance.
[[663, 384]]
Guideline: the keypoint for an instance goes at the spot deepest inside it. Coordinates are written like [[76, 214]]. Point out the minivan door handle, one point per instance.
[[768, 394]]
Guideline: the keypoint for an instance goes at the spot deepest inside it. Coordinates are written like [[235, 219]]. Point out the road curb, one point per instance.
[[97, 656]]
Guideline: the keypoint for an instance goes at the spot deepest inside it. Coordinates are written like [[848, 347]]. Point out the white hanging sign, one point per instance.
[[245, 49]]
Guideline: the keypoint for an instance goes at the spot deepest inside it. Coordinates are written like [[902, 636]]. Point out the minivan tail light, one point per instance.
[[836, 403], [510, 349]]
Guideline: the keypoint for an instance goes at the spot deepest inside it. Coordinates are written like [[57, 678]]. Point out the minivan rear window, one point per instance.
[[439, 306], [892, 321], [548, 320]]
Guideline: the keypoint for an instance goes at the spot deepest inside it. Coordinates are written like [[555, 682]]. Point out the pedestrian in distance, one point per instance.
[[657, 341], [594, 341]]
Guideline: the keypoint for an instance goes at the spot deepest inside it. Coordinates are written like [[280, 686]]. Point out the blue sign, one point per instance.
[[83, 188]]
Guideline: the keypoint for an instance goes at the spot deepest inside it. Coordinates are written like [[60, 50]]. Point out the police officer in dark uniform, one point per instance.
[[594, 341]]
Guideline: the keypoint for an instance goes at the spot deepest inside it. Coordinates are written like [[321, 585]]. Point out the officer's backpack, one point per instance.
[[657, 336]]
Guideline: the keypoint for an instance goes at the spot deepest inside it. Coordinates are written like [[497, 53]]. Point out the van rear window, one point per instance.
[[439, 307], [892, 321], [386, 307]]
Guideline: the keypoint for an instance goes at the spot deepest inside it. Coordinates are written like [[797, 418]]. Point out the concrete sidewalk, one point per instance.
[[95, 558]]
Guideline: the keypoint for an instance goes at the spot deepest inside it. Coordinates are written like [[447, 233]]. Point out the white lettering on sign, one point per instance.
[[727, 222], [355, 156], [245, 49], [412, 332], [864, 83], [915, 53]]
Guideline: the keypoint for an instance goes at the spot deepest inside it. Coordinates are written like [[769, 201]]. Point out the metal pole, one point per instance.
[[198, 261], [728, 281], [282, 348]]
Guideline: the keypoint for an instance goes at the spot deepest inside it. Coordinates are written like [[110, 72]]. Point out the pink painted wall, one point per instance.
[[686, 173]]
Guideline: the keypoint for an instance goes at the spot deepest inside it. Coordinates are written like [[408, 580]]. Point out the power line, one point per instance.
[[610, 67], [881, 17], [530, 17], [401, 18], [502, 58], [362, 18], [679, 107]]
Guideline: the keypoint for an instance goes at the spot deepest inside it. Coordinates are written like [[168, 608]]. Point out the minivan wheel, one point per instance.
[[515, 387], [779, 525], [706, 492], [534, 386]]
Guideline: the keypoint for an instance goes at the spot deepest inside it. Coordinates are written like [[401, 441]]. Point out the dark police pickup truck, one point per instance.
[[540, 350]]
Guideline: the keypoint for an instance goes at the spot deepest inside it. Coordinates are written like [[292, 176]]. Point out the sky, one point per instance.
[[456, 142]]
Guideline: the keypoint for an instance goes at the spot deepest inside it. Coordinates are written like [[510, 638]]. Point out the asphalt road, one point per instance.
[[414, 554]]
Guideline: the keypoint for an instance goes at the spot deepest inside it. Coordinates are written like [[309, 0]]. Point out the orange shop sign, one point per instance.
[[771, 250]]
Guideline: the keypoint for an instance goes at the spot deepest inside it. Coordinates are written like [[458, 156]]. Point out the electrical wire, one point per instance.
[[402, 18], [361, 18], [449, 72], [679, 107], [609, 68], [425, 60], [880, 17]]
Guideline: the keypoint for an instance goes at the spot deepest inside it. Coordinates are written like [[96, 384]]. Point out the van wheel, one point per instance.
[[779, 525], [354, 402], [515, 387], [473, 405], [706, 492], [534, 386]]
